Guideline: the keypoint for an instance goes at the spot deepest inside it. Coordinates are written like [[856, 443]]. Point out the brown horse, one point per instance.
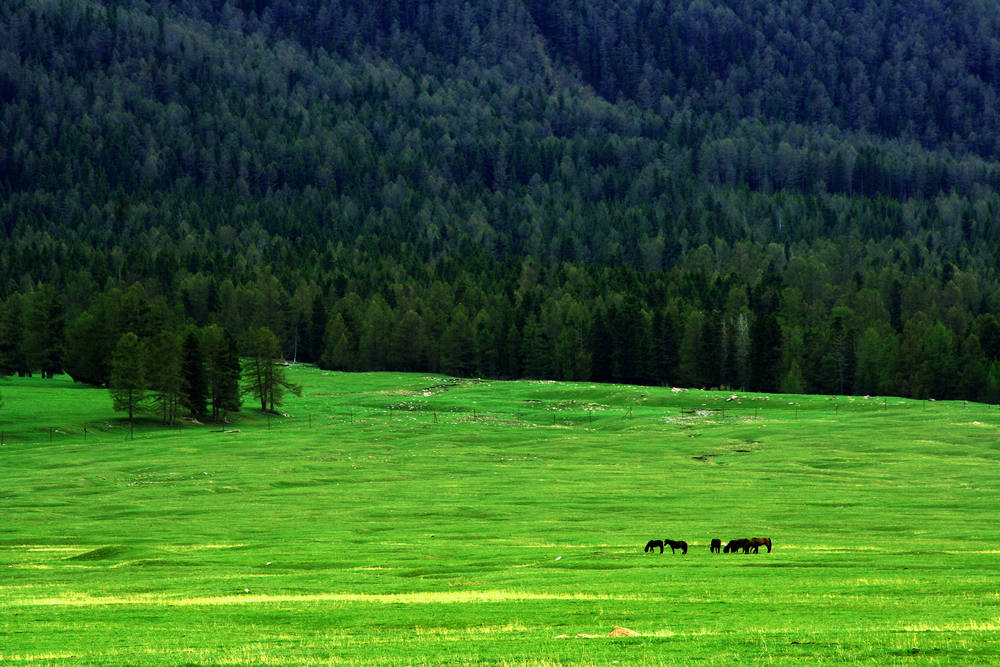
[[757, 542], [679, 544], [716, 546]]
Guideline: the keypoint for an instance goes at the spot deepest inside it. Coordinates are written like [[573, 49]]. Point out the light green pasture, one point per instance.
[[414, 519]]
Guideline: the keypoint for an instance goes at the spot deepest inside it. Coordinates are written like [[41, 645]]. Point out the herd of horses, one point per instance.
[[745, 544]]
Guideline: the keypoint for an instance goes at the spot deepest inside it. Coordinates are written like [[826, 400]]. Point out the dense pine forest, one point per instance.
[[791, 195]]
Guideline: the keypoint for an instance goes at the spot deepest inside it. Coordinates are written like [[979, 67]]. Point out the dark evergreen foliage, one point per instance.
[[788, 195], [194, 385]]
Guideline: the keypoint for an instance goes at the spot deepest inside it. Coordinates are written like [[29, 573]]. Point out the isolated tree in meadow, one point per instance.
[[127, 383], [263, 375]]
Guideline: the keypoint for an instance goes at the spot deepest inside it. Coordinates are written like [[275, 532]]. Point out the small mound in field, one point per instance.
[[103, 553]]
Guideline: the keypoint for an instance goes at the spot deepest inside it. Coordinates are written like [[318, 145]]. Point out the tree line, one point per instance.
[[853, 317]]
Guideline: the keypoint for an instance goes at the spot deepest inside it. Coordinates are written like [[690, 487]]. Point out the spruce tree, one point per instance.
[[194, 390], [222, 365]]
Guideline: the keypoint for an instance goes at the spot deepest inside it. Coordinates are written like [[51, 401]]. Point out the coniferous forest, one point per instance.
[[790, 195]]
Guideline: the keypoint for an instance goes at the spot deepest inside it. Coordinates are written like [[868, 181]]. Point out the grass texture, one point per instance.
[[413, 519]]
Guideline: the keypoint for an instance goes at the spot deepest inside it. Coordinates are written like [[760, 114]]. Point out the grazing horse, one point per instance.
[[735, 545], [679, 544], [757, 542], [716, 546], [652, 544]]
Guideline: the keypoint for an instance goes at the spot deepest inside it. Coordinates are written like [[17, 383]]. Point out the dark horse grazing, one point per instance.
[[748, 545], [652, 544], [716, 546], [680, 544], [735, 545]]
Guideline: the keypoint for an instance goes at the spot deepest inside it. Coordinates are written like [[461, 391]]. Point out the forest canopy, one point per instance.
[[796, 196]]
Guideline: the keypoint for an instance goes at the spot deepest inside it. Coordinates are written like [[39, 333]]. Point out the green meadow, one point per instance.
[[413, 519]]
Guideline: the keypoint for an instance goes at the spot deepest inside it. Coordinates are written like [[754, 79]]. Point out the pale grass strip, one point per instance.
[[992, 625], [455, 597]]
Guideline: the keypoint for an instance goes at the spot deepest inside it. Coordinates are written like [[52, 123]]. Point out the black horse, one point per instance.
[[679, 544], [652, 544], [716, 546], [735, 545]]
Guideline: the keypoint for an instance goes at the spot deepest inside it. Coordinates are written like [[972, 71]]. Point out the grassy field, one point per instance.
[[409, 519]]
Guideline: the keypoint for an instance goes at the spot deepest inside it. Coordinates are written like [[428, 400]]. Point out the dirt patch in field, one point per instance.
[[616, 631]]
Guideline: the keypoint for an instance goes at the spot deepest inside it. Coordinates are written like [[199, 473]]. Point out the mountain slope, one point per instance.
[[591, 190]]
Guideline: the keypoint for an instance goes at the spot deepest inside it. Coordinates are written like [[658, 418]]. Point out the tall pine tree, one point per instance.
[[194, 389]]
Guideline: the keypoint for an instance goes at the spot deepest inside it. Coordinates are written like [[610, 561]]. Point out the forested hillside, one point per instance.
[[785, 195]]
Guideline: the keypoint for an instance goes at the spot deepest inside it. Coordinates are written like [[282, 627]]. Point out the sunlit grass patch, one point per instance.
[[248, 598]]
